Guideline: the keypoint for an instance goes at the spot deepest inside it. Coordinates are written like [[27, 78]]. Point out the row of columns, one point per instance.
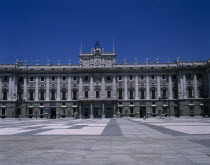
[[12, 94]]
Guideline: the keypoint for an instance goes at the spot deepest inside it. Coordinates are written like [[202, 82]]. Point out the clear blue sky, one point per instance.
[[51, 29]]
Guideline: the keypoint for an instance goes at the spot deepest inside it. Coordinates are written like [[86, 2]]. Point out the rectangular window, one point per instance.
[[64, 78], [120, 94], [31, 95], [163, 77], [131, 94], [175, 94], [174, 77], [21, 79], [86, 94], [52, 95], [153, 94], [120, 77], [153, 110], [108, 78], [152, 77], [63, 95], [191, 109], [5, 78], [189, 76], [109, 94], [30, 111], [190, 93], [41, 111], [42, 95], [86, 78], [142, 77], [31, 78], [75, 78], [74, 95], [142, 94], [4, 95], [3, 111], [53, 78], [42, 79], [97, 94], [131, 77], [164, 93]]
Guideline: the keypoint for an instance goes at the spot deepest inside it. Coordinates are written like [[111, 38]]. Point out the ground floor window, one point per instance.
[[3, 111], [191, 109], [30, 111], [41, 111]]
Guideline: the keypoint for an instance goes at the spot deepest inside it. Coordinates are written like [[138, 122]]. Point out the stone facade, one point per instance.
[[98, 87]]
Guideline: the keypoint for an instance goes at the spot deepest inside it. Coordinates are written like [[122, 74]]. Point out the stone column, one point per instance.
[[37, 88], [114, 86], [69, 88], [91, 110], [58, 88], [14, 89], [184, 86], [158, 87], [125, 88], [1, 88], [25, 89], [180, 86], [114, 110], [147, 88], [80, 111], [47, 89], [195, 86], [91, 87], [209, 83], [80, 87], [103, 94], [136, 88], [170, 96], [10, 88], [103, 114]]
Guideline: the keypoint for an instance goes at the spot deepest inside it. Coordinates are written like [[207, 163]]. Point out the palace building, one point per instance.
[[98, 87]]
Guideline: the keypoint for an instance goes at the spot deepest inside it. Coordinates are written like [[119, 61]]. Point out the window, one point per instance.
[[75, 78], [189, 76], [64, 78], [163, 77], [74, 95], [4, 95], [131, 77], [152, 77], [53, 78], [120, 94], [109, 94], [31, 95], [30, 111], [42, 95], [86, 94], [142, 94], [108, 78], [63, 95], [21, 79], [97, 94], [164, 93], [42, 78], [120, 77], [190, 93], [31, 78], [3, 111], [191, 109], [200, 92], [131, 110], [131, 94], [86, 78], [53, 95], [199, 75], [175, 92], [174, 77], [142, 77], [153, 94], [153, 110], [41, 111], [5, 78]]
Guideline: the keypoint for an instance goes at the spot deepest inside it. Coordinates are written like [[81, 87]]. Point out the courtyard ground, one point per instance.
[[65, 141]]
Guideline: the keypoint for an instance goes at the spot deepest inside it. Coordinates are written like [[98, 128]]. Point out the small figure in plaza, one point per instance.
[[144, 118], [20, 116]]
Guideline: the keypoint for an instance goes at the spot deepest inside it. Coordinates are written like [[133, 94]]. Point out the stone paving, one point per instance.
[[105, 141]]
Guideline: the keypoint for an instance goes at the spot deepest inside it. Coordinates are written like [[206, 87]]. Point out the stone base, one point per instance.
[[91, 116], [103, 116]]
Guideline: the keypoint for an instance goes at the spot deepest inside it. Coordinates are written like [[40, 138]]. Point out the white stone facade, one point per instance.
[[98, 87]]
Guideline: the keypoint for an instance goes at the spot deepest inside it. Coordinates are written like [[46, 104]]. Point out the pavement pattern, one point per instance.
[[105, 141]]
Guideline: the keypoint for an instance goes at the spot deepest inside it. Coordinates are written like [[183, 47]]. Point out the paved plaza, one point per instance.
[[105, 141]]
